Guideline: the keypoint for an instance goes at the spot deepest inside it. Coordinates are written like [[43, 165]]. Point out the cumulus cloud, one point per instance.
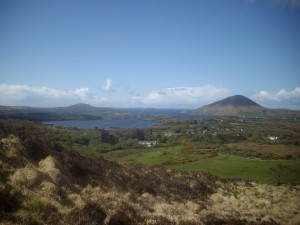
[[108, 86], [186, 96], [282, 97], [43, 96], [81, 92]]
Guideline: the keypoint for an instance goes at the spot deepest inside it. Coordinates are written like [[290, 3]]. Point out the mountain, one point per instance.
[[236, 101], [73, 112], [239, 105], [231, 106], [81, 108]]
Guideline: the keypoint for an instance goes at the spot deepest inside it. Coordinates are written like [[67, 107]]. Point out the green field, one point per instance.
[[234, 167], [224, 166]]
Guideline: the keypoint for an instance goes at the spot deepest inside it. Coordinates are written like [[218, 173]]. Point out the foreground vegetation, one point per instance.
[[44, 180]]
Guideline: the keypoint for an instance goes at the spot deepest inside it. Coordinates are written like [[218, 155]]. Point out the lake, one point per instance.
[[105, 123], [158, 112], [131, 120]]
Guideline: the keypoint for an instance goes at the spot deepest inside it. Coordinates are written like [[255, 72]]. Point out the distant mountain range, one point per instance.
[[73, 112], [239, 105], [235, 106]]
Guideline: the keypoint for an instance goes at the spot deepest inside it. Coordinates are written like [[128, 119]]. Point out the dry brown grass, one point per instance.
[[258, 202], [65, 187]]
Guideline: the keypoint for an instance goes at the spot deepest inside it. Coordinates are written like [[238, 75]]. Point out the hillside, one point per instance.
[[239, 105], [80, 108], [73, 112], [44, 182], [237, 101]]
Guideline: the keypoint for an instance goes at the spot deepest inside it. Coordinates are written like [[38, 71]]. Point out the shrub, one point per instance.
[[120, 218], [36, 207], [37, 211], [10, 202], [90, 214]]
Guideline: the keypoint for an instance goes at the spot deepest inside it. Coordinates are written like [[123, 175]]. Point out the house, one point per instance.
[[168, 134], [147, 143], [273, 138], [204, 131], [189, 131]]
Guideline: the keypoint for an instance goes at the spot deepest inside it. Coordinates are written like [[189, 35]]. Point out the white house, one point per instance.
[[273, 138], [147, 143]]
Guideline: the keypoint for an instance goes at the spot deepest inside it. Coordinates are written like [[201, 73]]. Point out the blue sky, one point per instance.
[[169, 54]]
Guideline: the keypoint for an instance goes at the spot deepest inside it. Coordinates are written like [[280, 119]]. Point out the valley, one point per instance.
[[211, 145], [150, 112], [178, 169]]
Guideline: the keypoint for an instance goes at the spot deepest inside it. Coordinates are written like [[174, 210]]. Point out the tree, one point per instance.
[[106, 137], [138, 134]]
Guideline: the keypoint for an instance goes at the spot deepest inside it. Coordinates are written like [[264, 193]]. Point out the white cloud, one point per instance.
[[282, 97], [44, 96], [186, 96], [81, 92], [108, 86]]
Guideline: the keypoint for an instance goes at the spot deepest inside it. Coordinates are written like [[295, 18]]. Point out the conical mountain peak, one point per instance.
[[236, 100]]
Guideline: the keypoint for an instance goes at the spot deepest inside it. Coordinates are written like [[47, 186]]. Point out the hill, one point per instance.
[[81, 108], [43, 182], [73, 112], [237, 101], [239, 105]]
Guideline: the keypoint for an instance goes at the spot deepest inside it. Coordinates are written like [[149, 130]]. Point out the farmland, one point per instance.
[[224, 166]]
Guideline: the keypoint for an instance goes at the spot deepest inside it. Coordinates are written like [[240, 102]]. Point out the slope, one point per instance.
[[43, 182], [73, 112]]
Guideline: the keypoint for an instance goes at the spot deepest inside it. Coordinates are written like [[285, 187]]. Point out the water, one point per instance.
[[158, 112], [131, 119], [105, 123]]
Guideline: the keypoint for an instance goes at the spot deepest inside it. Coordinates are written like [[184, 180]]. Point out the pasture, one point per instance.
[[225, 166]]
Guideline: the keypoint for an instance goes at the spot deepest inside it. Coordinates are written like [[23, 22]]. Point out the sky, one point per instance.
[[149, 53]]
